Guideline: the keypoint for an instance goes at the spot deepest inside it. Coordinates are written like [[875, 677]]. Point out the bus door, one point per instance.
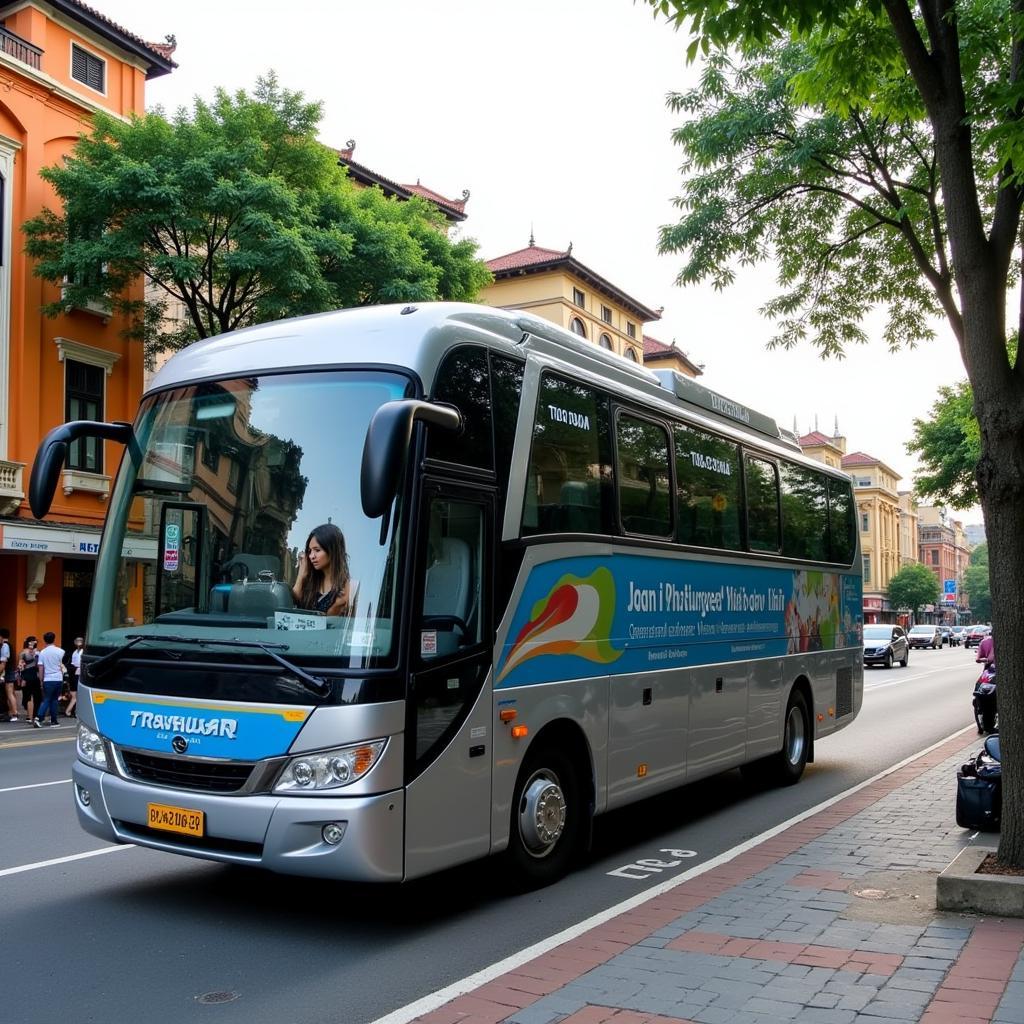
[[448, 740]]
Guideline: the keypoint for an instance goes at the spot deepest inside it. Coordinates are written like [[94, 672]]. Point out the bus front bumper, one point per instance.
[[279, 833]]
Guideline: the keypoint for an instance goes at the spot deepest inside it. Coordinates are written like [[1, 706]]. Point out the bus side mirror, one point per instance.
[[387, 444], [53, 450]]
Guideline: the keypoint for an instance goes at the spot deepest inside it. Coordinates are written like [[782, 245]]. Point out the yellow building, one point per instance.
[[875, 490], [659, 356], [554, 285], [829, 450], [910, 521]]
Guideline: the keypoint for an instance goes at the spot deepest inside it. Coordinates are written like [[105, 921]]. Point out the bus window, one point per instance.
[[570, 468], [463, 381], [707, 490], [841, 522], [645, 505], [506, 389], [762, 505], [804, 513]]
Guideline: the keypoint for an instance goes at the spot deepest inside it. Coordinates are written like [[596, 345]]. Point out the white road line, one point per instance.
[[62, 860], [34, 785], [437, 999], [910, 679]]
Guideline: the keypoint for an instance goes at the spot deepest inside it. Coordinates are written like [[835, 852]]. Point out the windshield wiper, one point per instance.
[[316, 685], [110, 660]]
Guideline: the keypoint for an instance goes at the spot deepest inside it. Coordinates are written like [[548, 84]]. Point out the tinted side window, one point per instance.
[[506, 388], [645, 504], [707, 490], [842, 522], [463, 381], [762, 505], [570, 473], [804, 513]]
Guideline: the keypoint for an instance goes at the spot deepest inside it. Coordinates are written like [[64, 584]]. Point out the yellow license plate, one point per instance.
[[175, 819]]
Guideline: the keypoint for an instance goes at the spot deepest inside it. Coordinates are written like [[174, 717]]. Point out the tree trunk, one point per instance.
[[1000, 412]]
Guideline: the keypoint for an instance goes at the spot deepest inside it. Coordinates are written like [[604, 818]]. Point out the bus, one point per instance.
[[572, 583]]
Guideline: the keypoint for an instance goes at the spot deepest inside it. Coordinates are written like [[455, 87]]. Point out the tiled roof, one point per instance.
[[654, 348], [453, 209], [99, 21], [817, 437], [528, 257], [436, 197], [536, 258], [861, 459]]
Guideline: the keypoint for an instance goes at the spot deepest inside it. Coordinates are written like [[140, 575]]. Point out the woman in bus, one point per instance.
[[323, 583]]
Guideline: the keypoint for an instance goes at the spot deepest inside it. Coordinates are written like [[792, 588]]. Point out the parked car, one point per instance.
[[959, 632], [926, 636], [884, 644], [975, 634], [950, 636]]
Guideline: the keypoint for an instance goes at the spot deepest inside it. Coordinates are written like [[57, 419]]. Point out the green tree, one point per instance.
[[913, 587], [977, 585], [948, 445], [236, 212], [872, 151]]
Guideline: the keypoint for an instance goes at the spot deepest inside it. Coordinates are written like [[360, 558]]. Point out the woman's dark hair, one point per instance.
[[29, 640], [332, 542]]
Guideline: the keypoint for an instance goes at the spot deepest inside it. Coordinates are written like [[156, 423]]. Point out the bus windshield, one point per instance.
[[229, 486]]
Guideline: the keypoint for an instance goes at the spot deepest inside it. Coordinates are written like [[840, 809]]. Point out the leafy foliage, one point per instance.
[[238, 215], [913, 587], [976, 583], [948, 445]]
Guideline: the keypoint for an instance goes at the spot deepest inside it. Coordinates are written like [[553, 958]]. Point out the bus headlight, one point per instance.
[[90, 747], [329, 769]]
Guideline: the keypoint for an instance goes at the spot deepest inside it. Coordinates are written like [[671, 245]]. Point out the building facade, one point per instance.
[[60, 62], [659, 356], [554, 285], [943, 548], [875, 491], [910, 519]]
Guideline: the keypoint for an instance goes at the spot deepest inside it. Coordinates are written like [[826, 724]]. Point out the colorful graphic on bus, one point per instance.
[[573, 618], [635, 614]]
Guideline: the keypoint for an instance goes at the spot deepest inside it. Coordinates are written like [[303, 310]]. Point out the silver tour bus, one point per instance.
[[384, 590]]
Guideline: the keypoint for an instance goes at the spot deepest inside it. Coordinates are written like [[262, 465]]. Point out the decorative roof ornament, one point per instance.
[[533, 241], [568, 252]]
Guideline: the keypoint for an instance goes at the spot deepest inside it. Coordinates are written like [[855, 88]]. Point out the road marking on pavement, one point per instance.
[[34, 785], [63, 860], [427, 1004], [906, 679]]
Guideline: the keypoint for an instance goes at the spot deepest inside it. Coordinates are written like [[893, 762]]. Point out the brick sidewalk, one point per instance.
[[782, 932]]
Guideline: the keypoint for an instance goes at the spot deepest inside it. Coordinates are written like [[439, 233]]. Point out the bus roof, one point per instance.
[[416, 336]]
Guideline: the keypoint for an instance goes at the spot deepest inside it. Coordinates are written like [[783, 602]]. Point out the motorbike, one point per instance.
[[985, 706], [979, 789]]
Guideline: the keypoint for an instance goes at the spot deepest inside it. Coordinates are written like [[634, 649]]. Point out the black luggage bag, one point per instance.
[[979, 790]]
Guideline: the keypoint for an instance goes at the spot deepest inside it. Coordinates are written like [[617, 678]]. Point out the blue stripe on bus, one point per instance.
[[589, 615]]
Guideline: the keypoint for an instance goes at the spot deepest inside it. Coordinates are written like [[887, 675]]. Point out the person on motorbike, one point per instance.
[[986, 650]]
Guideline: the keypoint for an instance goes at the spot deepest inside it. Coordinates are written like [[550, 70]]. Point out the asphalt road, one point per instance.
[[133, 934]]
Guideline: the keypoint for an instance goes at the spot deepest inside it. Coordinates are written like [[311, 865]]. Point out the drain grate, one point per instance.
[[217, 997]]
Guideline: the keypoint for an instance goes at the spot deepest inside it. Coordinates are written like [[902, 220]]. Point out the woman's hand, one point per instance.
[[303, 567]]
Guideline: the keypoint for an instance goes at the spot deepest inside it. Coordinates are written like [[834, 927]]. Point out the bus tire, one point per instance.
[[547, 817], [788, 764]]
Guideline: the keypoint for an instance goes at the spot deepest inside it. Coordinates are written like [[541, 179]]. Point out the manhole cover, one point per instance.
[[871, 894], [217, 997]]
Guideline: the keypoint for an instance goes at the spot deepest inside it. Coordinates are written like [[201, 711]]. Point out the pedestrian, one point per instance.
[[76, 675], [8, 667], [51, 660], [31, 687]]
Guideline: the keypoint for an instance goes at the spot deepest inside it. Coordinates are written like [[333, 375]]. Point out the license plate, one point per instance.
[[175, 819]]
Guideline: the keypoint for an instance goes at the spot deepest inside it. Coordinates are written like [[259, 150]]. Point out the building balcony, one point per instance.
[[20, 49], [12, 490]]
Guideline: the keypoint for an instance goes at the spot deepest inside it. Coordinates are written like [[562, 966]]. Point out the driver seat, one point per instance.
[[447, 589]]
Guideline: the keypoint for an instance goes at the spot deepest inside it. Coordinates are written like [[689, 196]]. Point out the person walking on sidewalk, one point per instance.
[[31, 687], [7, 670], [76, 675], [51, 661]]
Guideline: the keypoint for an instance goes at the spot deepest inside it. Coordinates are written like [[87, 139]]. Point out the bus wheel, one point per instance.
[[547, 817], [789, 763]]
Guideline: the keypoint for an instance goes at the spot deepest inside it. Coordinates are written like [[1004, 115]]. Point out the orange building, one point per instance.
[[60, 62]]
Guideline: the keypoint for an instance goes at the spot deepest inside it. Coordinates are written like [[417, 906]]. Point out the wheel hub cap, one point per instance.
[[541, 814]]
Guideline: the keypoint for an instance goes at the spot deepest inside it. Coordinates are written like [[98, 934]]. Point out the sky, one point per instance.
[[552, 113]]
